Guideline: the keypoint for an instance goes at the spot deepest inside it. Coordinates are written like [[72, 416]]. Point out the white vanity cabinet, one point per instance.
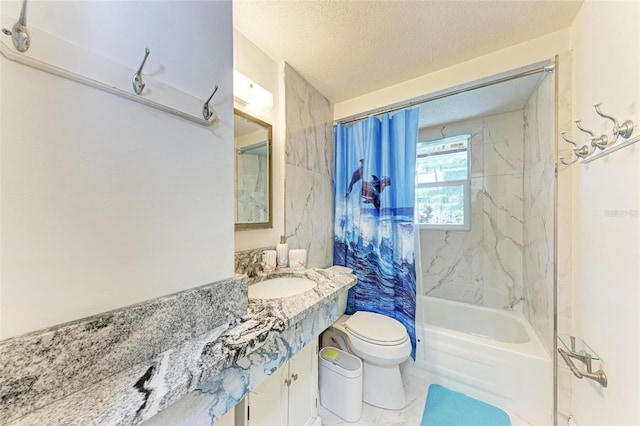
[[289, 397]]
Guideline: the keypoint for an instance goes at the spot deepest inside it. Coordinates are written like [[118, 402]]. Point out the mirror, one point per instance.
[[252, 140]]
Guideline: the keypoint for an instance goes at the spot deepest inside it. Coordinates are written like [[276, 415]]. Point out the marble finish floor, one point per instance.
[[416, 390]]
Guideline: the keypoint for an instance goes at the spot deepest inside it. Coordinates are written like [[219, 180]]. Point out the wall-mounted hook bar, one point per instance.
[[625, 129], [600, 142], [138, 84], [584, 151], [19, 33], [207, 112]]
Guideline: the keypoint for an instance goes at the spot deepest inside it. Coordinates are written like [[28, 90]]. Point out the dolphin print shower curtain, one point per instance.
[[375, 185]]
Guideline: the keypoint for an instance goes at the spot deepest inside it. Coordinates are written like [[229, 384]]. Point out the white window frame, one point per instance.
[[465, 183]]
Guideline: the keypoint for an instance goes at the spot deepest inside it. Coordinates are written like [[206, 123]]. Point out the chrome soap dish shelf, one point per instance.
[[575, 348]]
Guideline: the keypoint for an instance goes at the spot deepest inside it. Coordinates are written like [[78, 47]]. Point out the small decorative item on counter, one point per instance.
[[282, 250], [298, 258], [269, 259]]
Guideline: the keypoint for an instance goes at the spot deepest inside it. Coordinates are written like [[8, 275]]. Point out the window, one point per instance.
[[443, 199]]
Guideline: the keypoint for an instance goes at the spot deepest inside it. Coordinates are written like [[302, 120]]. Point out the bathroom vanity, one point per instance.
[[279, 375], [163, 358], [290, 395]]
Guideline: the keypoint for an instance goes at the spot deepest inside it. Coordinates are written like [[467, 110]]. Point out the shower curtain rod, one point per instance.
[[547, 68]]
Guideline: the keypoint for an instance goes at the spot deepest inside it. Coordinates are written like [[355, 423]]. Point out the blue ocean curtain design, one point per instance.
[[375, 187]]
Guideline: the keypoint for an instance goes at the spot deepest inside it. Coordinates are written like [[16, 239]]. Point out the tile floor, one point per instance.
[[416, 390]]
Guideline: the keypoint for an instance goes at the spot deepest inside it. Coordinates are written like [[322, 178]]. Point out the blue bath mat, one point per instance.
[[445, 407]]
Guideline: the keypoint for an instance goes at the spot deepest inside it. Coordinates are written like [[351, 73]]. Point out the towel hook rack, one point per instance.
[[600, 142], [19, 34], [207, 112], [625, 130], [138, 84], [582, 152]]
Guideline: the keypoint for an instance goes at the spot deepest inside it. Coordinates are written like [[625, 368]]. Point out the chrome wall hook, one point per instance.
[[600, 142], [625, 129], [583, 152], [138, 84], [207, 112], [564, 136], [573, 160], [19, 33]]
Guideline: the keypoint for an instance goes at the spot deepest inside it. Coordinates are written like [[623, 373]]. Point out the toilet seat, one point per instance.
[[376, 329]]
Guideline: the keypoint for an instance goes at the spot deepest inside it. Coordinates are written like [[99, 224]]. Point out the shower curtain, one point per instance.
[[375, 186]]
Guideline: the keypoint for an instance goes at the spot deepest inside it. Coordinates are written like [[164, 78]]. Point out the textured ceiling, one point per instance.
[[348, 48]]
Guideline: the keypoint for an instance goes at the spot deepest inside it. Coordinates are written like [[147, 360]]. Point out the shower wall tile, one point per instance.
[[503, 194], [503, 239], [539, 176], [309, 193], [309, 134], [452, 263], [483, 266], [564, 215], [459, 292], [503, 148], [309, 198], [563, 244]]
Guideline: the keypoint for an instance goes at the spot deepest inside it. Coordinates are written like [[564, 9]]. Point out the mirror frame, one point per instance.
[[269, 128]]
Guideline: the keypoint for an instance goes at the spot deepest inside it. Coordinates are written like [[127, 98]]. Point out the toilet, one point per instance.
[[382, 343]]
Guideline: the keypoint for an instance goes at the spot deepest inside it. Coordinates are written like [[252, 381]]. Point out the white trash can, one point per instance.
[[341, 383]]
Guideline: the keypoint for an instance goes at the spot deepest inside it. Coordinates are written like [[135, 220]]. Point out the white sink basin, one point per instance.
[[276, 288]]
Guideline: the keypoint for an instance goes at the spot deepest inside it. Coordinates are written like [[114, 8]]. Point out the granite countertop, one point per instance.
[[36, 387], [265, 316]]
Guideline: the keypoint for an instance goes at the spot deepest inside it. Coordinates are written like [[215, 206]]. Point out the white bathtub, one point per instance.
[[488, 354]]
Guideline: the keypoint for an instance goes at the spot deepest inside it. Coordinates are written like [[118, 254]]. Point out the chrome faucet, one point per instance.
[[255, 267]]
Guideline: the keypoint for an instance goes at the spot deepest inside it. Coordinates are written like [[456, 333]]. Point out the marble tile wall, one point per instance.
[[484, 265], [309, 170], [564, 240], [539, 198]]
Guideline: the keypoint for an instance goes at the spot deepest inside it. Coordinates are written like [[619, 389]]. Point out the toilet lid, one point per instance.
[[376, 328]]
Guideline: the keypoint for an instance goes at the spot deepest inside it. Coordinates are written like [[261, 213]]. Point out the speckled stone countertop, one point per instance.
[[125, 366]]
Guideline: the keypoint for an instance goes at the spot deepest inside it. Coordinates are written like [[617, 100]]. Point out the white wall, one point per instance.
[[256, 65], [107, 202], [606, 50]]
